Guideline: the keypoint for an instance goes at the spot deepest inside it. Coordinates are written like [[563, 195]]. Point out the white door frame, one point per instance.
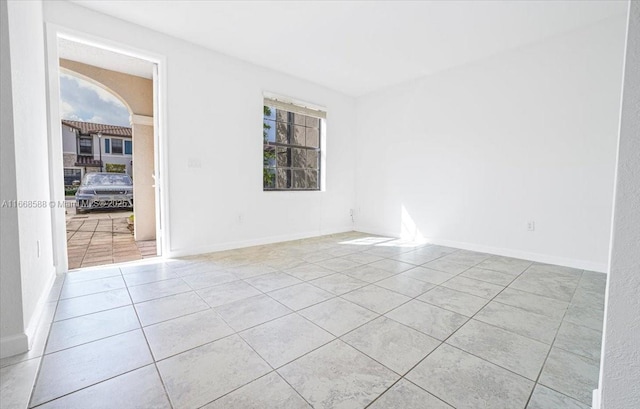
[[53, 32]]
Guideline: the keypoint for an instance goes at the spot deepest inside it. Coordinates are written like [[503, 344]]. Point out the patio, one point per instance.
[[103, 237]]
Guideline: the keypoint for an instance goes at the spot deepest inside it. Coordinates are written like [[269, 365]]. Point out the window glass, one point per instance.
[[116, 146], [72, 175], [86, 146], [291, 149]]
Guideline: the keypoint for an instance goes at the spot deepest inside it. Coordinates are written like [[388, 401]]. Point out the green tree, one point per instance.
[[268, 177]]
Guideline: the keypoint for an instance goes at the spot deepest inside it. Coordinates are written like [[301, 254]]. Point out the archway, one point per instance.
[[136, 94]]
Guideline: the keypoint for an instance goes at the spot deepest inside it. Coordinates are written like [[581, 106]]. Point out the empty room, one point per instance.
[[349, 204]]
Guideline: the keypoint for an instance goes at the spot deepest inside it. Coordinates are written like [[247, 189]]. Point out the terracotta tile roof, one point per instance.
[[88, 128]]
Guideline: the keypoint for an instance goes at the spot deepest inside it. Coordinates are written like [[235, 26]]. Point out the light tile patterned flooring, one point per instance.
[[343, 321]]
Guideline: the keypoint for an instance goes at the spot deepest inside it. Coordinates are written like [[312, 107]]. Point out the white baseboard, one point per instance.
[[34, 321], [13, 345], [254, 242], [595, 399], [20, 343], [500, 251]]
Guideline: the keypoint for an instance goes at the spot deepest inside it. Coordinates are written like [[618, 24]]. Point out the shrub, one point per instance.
[[70, 190], [115, 168]]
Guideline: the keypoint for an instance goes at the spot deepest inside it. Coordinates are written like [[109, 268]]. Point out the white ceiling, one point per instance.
[[99, 57], [358, 47]]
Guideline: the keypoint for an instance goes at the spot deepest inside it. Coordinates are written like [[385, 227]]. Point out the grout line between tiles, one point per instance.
[[388, 256]]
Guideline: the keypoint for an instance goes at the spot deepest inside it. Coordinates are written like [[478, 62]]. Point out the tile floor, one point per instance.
[[342, 321], [103, 237]]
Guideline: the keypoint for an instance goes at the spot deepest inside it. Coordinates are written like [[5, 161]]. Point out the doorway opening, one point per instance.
[[107, 107]]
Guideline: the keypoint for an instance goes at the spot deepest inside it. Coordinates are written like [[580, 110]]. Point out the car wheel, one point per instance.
[[78, 211]]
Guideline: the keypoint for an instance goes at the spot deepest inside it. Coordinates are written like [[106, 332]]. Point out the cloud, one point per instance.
[[81, 100]]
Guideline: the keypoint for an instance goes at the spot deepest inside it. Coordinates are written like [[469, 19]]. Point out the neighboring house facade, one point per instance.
[[83, 148]]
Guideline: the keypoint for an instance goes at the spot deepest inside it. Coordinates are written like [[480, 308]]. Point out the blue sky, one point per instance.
[[81, 100]]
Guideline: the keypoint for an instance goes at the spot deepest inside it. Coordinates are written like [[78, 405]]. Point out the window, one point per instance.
[[85, 146], [291, 146], [116, 146], [71, 175], [107, 145], [128, 148]]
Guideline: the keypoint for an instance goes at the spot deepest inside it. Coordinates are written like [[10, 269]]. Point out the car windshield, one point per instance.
[[115, 179]]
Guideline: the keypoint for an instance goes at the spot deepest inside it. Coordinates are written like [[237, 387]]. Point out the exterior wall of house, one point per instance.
[[137, 94], [69, 144], [143, 185], [70, 152], [115, 158]]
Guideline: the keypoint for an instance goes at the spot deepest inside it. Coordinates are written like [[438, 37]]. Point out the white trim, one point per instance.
[[255, 242], [501, 251], [292, 101], [53, 32], [32, 326], [13, 345], [141, 120], [595, 399], [297, 108], [56, 161]]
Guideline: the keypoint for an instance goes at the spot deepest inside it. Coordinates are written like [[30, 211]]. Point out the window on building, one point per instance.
[[291, 146], [128, 148], [72, 175], [107, 145], [85, 146], [116, 146]]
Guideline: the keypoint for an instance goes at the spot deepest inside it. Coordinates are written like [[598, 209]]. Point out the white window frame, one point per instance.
[[308, 109]]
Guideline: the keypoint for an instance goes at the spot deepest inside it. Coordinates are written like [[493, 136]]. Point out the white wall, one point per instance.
[[12, 336], [214, 118], [620, 366], [26, 40], [475, 152]]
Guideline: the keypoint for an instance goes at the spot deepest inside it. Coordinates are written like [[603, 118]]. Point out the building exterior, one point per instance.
[[90, 147]]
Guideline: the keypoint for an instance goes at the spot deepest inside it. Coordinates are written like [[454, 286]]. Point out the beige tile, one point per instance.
[[338, 316], [166, 308], [285, 339], [300, 296], [406, 395], [427, 318], [138, 389], [252, 311], [17, 382], [394, 345], [76, 368], [338, 376], [269, 391], [201, 375], [468, 382], [376, 299], [88, 304], [180, 334], [79, 330]]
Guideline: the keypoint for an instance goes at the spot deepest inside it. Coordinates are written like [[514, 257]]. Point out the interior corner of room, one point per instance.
[[522, 146]]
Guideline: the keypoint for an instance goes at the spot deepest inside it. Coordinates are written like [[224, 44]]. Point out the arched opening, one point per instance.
[[106, 128], [88, 81]]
